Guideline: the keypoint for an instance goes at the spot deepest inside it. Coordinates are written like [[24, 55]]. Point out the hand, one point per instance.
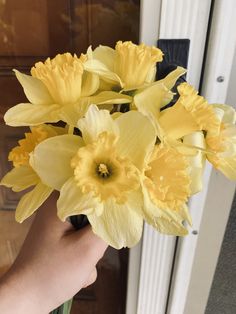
[[54, 263]]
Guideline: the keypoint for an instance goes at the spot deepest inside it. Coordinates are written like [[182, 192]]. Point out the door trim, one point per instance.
[[198, 254], [150, 263]]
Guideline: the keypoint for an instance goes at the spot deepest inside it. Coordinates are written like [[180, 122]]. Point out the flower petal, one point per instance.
[[168, 226], [95, 122], [226, 165], [229, 113], [97, 67], [106, 55], [135, 142], [150, 101], [197, 161], [31, 201], [166, 221], [177, 122], [51, 159], [71, 113], [20, 178], [90, 83], [73, 202], [120, 225], [109, 97], [28, 114], [34, 89], [170, 80]]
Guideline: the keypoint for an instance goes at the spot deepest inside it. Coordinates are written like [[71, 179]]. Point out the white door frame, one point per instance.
[[198, 253], [150, 263]]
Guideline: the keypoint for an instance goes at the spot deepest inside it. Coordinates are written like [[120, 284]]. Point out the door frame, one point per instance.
[[197, 254], [151, 262]]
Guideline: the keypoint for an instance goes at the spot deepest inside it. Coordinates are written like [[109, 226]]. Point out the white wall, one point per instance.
[[231, 94]]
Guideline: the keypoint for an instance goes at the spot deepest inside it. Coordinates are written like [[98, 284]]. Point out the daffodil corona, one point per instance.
[[221, 144], [22, 176], [59, 89], [99, 169], [128, 66]]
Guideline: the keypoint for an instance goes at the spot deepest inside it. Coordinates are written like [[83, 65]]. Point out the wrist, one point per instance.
[[17, 295]]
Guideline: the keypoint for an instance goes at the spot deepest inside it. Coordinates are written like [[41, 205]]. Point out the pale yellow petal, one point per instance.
[[20, 178], [51, 159], [109, 97], [97, 67], [227, 165], [170, 80], [166, 221], [108, 85], [229, 113], [31, 201], [108, 107], [73, 112], [34, 89], [28, 114], [57, 129], [137, 137], [73, 202], [177, 122], [151, 75], [168, 226], [120, 225], [150, 101], [95, 122], [196, 162], [106, 55], [228, 168], [190, 113], [116, 115], [90, 84]]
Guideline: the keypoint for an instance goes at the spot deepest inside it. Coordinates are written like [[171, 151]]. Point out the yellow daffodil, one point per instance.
[[59, 89], [186, 154], [189, 114], [98, 175], [221, 145], [166, 188], [22, 176], [128, 66]]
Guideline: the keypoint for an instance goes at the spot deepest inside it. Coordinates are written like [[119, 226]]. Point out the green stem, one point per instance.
[[64, 308]]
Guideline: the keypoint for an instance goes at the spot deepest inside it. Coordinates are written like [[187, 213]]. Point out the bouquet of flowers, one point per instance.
[[117, 168]]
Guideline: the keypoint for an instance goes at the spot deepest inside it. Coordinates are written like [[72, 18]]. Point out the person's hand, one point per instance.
[[54, 263]]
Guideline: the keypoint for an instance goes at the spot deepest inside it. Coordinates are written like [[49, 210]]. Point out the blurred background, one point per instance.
[[162, 275]]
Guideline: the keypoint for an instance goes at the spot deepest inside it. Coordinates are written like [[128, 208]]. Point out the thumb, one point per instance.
[[91, 279]]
